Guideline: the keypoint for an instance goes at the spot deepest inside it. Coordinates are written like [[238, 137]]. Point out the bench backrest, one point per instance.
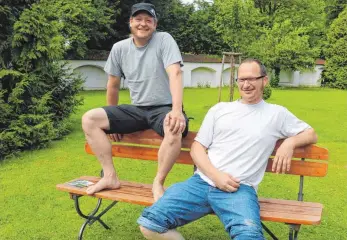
[[144, 145]]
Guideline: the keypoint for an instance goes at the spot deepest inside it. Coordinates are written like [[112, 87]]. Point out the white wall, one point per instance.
[[226, 76], [204, 73], [203, 76], [303, 78], [194, 75], [95, 77], [92, 72], [311, 78]]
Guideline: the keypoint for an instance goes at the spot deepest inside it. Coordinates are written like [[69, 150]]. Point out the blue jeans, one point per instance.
[[187, 201]]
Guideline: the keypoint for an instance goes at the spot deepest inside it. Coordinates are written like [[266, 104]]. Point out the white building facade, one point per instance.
[[195, 74]]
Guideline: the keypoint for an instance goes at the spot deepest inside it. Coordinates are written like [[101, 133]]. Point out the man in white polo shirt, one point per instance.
[[239, 137]]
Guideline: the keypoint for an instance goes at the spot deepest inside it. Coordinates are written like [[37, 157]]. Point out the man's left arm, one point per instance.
[[284, 153], [175, 119]]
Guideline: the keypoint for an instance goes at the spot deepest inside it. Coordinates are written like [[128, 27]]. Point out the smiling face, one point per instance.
[[251, 82], [142, 26]]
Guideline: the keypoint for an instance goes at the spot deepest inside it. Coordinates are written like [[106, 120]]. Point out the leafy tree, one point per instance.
[[285, 35], [284, 47], [189, 24], [333, 9], [335, 74], [238, 22], [197, 35]]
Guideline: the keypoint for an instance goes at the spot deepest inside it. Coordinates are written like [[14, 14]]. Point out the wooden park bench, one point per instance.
[[307, 161]]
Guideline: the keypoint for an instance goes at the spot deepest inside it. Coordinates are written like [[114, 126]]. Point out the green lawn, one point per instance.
[[31, 207]]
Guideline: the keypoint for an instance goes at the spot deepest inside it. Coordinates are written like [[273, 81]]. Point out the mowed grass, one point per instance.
[[32, 208]]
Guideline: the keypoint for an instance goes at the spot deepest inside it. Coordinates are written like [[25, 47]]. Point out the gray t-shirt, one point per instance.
[[144, 68], [241, 137]]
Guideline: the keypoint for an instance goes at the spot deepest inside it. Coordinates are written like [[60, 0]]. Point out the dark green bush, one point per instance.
[[267, 92], [38, 108], [38, 93], [274, 80]]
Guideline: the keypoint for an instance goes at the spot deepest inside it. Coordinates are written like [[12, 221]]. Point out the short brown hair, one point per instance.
[[261, 66]]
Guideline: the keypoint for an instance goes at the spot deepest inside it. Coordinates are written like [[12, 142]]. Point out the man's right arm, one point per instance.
[[112, 95], [223, 181]]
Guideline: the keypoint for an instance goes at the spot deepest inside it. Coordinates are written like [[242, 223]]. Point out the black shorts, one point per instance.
[[126, 118]]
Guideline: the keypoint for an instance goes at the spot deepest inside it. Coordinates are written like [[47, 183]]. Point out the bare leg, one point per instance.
[[93, 123], [169, 235], [168, 153]]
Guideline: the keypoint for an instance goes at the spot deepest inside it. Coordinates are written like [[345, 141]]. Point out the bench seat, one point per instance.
[[275, 210]]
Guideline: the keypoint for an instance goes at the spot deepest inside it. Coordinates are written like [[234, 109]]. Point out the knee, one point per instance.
[[248, 231], [172, 138], [148, 234], [87, 120], [93, 119]]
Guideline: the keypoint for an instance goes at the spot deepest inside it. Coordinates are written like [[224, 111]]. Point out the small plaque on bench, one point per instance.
[[80, 183]]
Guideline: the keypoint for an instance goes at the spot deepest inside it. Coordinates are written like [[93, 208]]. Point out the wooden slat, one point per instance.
[[135, 193], [289, 211], [142, 153], [149, 137], [304, 168], [276, 210], [310, 151]]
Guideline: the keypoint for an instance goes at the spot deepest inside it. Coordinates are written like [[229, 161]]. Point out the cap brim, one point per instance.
[[143, 10]]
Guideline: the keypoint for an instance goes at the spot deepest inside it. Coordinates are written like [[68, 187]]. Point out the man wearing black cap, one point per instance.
[[151, 62]]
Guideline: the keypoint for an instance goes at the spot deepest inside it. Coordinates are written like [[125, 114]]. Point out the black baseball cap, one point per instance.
[[143, 7]]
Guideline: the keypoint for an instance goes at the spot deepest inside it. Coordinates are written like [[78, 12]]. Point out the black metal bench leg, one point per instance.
[[293, 231], [269, 231], [97, 218], [296, 235], [80, 234], [290, 233], [91, 218], [77, 206]]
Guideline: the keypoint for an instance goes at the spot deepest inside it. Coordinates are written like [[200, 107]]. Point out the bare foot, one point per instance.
[[157, 190], [104, 183]]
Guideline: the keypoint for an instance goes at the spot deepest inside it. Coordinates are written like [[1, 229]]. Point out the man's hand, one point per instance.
[[226, 182], [283, 157], [176, 121], [115, 137]]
